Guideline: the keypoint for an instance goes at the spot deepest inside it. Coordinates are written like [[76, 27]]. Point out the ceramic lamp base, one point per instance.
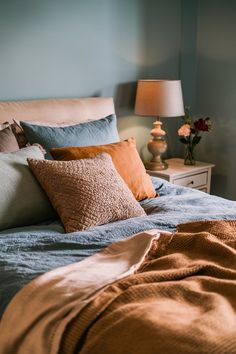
[[156, 166], [157, 146]]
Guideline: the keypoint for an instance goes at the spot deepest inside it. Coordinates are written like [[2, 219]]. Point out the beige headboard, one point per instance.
[[57, 110]]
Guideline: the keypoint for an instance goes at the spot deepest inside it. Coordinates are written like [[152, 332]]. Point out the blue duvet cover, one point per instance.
[[30, 251]]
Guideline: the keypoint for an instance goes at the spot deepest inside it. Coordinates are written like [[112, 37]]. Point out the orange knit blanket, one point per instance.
[[181, 300], [143, 295]]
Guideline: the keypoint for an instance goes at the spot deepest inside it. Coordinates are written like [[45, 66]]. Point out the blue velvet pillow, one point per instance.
[[99, 132]]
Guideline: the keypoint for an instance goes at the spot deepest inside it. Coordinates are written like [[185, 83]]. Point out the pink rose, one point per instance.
[[184, 130]]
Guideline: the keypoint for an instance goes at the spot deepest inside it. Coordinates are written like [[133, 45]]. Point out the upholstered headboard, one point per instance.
[[57, 110]]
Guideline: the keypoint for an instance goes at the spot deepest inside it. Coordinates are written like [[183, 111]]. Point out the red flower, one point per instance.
[[202, 124]]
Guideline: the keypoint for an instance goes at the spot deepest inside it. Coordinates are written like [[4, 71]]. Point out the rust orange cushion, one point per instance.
[[125, 158]]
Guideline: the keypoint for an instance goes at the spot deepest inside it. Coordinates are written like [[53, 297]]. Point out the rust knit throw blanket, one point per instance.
[[181, 300]]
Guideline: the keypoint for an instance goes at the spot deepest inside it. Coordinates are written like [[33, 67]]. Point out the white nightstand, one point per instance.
[[197, 176]]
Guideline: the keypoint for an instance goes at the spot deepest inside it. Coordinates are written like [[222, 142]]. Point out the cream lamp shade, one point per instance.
[[160, 98]]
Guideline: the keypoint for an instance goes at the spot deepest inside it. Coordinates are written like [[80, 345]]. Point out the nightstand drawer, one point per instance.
[[197, 176], [192, 181]]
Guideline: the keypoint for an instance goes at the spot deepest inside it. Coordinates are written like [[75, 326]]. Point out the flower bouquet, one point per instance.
[[190, 132]]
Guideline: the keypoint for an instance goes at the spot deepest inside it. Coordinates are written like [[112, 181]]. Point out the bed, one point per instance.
[[30, 254]]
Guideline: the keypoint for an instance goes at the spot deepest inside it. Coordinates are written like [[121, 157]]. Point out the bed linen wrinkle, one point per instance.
[[27, 252]]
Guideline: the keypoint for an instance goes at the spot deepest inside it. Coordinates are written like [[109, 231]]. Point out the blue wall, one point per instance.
[[208, 74], [216, 89], [188, 51], [161, 60], [68, 48], [76, 48]]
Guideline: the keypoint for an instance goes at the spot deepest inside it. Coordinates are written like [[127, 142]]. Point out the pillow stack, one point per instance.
[[89, 184]]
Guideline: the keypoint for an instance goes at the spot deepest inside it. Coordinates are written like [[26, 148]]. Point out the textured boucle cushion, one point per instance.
[[86, 192], [126, 160]]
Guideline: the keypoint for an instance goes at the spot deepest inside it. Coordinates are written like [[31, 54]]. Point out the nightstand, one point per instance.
[[195, 176]]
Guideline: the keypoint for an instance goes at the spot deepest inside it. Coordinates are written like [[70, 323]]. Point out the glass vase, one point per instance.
[[189, 155]]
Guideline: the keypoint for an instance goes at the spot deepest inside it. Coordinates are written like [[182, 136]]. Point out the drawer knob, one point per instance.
[[192, 182]]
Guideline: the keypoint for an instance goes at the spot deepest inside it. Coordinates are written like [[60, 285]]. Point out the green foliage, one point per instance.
[[183, 140], [187, 116], [196, 139]]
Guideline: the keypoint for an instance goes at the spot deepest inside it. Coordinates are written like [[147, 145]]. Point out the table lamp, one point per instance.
[[160, 98]]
